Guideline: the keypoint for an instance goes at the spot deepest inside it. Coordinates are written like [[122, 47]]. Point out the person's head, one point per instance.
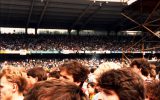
[[55, 90], [74, 72], [121, 84], [12, 83], [153, 90], [105, 67], [36, 74], [140, 66], [54, 74]]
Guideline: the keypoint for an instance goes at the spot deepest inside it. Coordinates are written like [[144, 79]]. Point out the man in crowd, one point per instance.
[[142, 67], [121, 84], [74, 71], [36, 74], [12, 83]]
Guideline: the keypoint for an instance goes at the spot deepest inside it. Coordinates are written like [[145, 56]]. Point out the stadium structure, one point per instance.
[[110, 20]]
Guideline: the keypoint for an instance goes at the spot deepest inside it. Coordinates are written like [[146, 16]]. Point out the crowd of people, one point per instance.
[[47, 64], [75, 43], [78, 79], [73, 80]]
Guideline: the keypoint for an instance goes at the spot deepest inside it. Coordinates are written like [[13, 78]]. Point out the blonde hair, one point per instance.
[[14, 75], [105, 67]]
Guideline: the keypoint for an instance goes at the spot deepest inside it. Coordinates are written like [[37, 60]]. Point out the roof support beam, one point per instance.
[[42, 14], [133, 28], [153, 25], [152, 12], [30, 13], [91, 16], [130, 19], [153, 21], [82, 14], [143, 25]]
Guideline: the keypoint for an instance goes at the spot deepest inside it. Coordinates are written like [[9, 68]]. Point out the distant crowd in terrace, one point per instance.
[[54, 63], [65, 42]]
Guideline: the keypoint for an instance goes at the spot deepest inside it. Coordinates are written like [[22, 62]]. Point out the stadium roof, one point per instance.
[[74, 14]]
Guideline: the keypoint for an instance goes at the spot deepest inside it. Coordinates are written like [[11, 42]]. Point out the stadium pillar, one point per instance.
[[26, 30], [69, 31], [35, 31], [78, 32]]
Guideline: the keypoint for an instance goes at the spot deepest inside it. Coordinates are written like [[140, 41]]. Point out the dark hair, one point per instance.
[[127, 84], [38, 72], [153, 90], [54, 74], [142, 64], [77, 70], [55, 90]]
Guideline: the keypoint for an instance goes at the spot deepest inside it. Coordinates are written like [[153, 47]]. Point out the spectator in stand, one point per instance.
[[121, 84], [12, 83], [74, 71], [55, 90], [82, 43]]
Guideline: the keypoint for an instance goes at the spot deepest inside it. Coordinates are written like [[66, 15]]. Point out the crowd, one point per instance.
[[72, 80], [49, 63], [75, 43], [77, 79]]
